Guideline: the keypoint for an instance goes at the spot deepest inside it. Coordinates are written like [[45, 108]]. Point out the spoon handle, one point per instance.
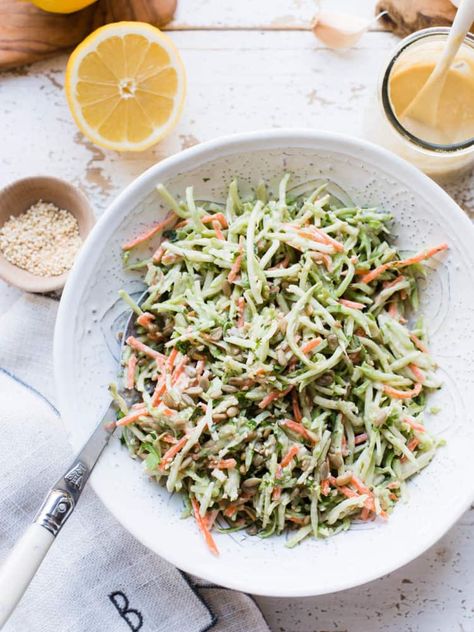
[[20, 567], [461, 25], [26, 556]]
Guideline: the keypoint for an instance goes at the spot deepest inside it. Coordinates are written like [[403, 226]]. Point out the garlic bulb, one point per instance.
[[340, 30]]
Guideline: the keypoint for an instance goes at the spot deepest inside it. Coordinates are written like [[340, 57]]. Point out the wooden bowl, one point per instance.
[[16, 198]]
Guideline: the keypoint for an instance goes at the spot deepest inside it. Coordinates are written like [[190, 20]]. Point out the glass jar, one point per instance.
[[441, 162]]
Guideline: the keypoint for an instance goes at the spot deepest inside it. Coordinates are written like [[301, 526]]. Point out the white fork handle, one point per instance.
[[20, 567]]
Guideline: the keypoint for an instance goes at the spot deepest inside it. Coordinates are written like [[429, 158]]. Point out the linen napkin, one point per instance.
[[96, 577]]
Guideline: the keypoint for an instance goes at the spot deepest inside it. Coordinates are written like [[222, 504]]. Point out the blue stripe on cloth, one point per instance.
[[30, 388]]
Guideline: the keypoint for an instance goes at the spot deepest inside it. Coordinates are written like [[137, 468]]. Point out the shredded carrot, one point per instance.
[[325, 487], [363, 489], [298, 429], [351, 304], [241, 312], [179, 369], [131, 366], [349, 493], [419, 375], [359, 485], [160, 388], [217, 229], [139, 346], [230, 511], [166, 411], [309, 346], [424, 254], [376, 272], [211, 518], [414, 424], [289, 456], [327, 262], [329, 240], [296, 406], [282, 264], [171, 358], [217, 217], [172, 452], [234, 271], [393, 496], [169, 439], [159, 252], [315, 234], [307, 234], [202, 523], [364, 514], [396, 394], [170, 220], [419, 344], [145, 319], [297, 520], [224, 464], [358, 439], [276, 494], [411, 445], [131, 417], [166, 367], [389, 284], [268, 399]]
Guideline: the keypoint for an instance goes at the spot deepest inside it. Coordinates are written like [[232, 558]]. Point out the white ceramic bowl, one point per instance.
[[86, 361]]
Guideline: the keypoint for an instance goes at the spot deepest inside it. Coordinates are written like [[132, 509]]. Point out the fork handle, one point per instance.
[[20, 567]]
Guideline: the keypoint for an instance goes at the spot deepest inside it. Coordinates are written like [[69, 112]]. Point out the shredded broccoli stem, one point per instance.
[[280, 387]]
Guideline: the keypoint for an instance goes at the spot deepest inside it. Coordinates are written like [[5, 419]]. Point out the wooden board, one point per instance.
[[28, 34]]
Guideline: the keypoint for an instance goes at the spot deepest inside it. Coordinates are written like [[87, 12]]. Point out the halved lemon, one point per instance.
[[62, 6], [125, 85]]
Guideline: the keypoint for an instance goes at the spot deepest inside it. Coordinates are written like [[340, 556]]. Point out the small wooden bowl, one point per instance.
[[16, 198]]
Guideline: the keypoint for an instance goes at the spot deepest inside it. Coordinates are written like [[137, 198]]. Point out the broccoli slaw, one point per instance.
[[280, 386]]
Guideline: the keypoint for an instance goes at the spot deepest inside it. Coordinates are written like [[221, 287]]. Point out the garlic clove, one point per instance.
[[339, 30]]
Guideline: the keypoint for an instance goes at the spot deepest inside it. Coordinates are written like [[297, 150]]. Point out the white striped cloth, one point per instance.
[[96, 577]]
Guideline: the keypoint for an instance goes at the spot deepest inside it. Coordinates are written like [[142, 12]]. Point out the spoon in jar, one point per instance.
[[424, 107], [341, 30]]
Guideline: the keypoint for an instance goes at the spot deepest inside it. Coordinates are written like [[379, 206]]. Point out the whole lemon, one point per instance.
[[62, 6]]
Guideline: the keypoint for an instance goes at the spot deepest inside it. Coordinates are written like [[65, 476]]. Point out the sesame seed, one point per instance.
[[44, 240]]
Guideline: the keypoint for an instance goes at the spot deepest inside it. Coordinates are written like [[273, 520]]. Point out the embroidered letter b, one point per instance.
[[132, 617]]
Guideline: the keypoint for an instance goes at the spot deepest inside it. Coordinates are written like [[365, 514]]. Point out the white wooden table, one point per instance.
[[253, 64]]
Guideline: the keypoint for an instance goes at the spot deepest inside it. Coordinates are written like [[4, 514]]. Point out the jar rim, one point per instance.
[[387, 106]]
